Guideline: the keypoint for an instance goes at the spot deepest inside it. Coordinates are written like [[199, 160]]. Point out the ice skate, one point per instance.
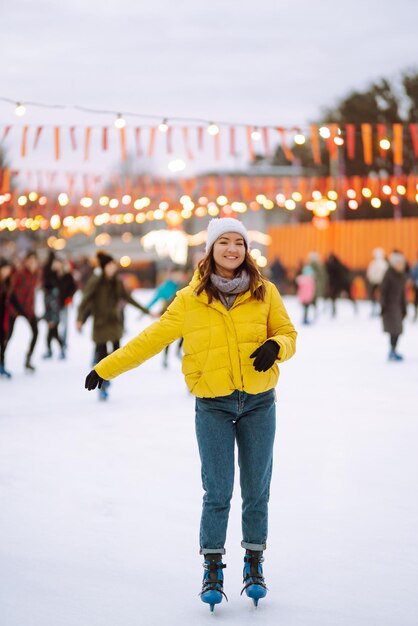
[[212, 587], [103, 391], [254, 583], [4, 373]]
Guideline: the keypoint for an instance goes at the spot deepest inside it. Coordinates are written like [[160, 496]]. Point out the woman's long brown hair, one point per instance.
[[207, 267]]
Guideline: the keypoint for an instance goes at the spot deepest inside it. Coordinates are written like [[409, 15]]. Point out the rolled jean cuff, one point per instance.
[[212, 551], [254, 546]]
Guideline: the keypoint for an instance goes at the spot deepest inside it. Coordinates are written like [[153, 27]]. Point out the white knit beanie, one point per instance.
[[221, 225]]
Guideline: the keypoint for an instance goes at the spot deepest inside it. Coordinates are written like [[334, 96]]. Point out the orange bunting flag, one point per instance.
[[381, 134], [24, 141], [186, 140], [217, 145], [87, 139], [366, 135], [316, 150], [105, 138], [122, 137], [57, 143], [287, 151], [413, 129], [5, 181], [250, 143], [73, 138], [37, 136], [350, 131], [151, 141], [397, 144]]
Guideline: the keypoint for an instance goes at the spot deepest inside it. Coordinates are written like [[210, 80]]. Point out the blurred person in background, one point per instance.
[[339, 281], [24, 283], [321, 278], [103, 298], [6, 298], [375, 272], [166, 293], [413, 274], [52, 271], [306, 289], [393, 301]]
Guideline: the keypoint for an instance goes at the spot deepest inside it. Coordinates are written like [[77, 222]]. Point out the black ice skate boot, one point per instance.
[[213, 579], [254, 583]]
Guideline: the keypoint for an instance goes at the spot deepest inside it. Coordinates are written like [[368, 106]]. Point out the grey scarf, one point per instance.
[[229, 288]]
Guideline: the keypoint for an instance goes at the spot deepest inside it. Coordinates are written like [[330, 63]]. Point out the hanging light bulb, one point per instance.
[[120, 122], [299, 139], [163, 127], [20, 109], [384, 144], [255, 134], [213, 129], [325, 132]]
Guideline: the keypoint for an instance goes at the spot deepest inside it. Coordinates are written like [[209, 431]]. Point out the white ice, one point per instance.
[[100, 502]]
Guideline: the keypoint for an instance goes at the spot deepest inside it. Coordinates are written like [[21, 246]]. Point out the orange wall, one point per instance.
[[352, 241]]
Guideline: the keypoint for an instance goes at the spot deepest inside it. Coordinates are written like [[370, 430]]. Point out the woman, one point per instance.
[[235, 329], [6, 296], [393, 301], [103, 298]]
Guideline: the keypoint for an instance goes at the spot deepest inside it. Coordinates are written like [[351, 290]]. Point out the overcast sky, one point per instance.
[[264, 61]]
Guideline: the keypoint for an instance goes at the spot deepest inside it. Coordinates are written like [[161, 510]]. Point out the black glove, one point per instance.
[[93, 380], [265, 356]]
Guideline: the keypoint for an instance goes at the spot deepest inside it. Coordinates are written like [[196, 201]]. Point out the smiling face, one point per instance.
[[228, 253]]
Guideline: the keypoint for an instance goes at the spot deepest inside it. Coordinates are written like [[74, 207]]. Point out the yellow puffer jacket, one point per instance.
[[217, 342]]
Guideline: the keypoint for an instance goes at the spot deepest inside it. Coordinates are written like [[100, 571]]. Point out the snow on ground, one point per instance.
[[100, 503]]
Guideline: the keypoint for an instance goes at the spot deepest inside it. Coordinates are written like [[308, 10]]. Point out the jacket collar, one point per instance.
[[216, 304]]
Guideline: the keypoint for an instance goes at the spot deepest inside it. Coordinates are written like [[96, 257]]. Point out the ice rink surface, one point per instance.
[[100, 502]]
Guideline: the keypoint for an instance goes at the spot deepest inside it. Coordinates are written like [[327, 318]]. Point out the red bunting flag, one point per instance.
[[23, 148], [5, 132], [186, 140], [232, 143], [105, 138], [138, 142], [381, 134], [350, 132], [413, 129], [169, 140], [316, 150], [266, 143], [200, 137], [87, 139], [73, 138], [151, 142], [37, 136]]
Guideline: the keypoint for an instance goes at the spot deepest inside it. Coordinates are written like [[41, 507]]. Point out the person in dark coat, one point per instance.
[[24, 283], [52, 276], [6, 299], [103, 298], [339, 280], [393, 301]]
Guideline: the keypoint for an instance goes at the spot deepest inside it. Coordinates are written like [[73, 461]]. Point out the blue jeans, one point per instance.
[[250, 420]]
